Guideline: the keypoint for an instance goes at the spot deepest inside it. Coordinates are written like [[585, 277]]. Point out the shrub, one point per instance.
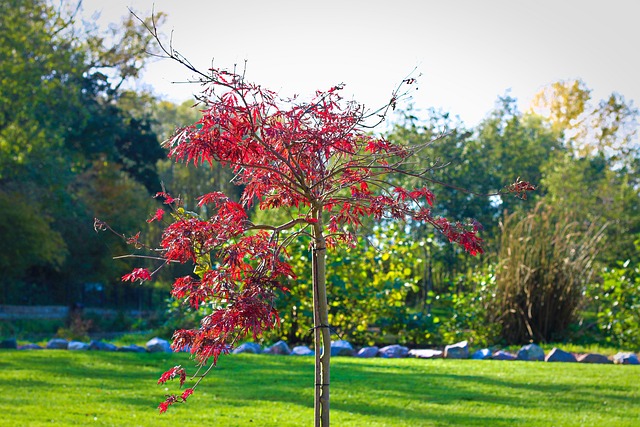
[[471, 311], [546, 259], [78, 328], [370, 285], [616, 300]]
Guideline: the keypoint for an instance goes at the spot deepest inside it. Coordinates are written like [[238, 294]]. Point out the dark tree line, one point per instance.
[[71, 149]]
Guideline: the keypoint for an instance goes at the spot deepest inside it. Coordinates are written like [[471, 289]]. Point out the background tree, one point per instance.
[[470, 164], [602, 195], [28, 235], [188, 182], [448, 164], [65, 126], [608, 127], [562, 104], [598, 173]]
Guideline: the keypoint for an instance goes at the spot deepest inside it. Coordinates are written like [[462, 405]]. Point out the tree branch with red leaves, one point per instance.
[[316, 156]]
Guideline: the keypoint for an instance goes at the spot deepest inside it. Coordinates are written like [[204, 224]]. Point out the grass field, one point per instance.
[[49, 387]]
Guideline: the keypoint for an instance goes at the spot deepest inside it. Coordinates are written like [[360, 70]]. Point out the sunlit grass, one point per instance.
[[575, 348], [114, 389]]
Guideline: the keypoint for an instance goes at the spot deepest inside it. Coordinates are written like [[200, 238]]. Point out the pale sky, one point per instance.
[[468, 52]]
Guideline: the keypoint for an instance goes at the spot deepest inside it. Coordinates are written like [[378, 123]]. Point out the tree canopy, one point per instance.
[[67, 136]]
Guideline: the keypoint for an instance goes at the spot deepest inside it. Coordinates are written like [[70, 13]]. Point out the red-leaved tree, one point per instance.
[[316, 157]]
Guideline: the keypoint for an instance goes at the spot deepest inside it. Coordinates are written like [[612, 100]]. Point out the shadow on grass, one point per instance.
[[413, 392], [435, 393]]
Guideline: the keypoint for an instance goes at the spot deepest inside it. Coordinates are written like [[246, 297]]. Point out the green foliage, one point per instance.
[[511, 145], [179, 316], [40, 70], [28, 238], [72, 148], [30, 329], [616, 301], [599, 192], [369, 287], [169, 117], [471, 311], [473, 163]]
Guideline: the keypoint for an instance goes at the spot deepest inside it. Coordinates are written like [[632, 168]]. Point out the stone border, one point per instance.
[[529, 352]]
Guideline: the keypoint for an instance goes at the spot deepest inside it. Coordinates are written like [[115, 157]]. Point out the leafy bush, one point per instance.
[[471, 316], [412, 328], [369, 284], [77, 327], [29, 328], [616, 299], [179, 316]]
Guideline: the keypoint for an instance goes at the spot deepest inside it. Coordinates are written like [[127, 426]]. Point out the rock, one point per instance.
[[9, 343], [302, 350], [503, 355], [30, 347], [248, 347], [132, 349], [625, 359], [367, 352], [280, 347], [557, 355], [458, 350], [341, 348], [393, 351], [57, 344], [593, 358], [102, 346], [530, 352], [78, 346], [425, 354], [158, 345], [482, 354]]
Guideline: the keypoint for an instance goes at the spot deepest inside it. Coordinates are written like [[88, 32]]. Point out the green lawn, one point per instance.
[[50, 387]]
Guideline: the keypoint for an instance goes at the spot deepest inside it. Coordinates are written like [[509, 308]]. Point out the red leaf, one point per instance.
[[157, 217], [172, 373], [167, 198], [170, 400], [134, 240], [141, 274], [188, 392], [214, 197], [163, 407], [520, 188]]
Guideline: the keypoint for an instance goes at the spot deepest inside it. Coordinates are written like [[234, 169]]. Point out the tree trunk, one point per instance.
[[322, 333], [427, 277]]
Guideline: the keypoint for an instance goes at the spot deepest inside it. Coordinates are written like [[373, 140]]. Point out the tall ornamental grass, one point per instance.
[[546, 259]]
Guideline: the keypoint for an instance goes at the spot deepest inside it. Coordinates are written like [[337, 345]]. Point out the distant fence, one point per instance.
[[53, 312]]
